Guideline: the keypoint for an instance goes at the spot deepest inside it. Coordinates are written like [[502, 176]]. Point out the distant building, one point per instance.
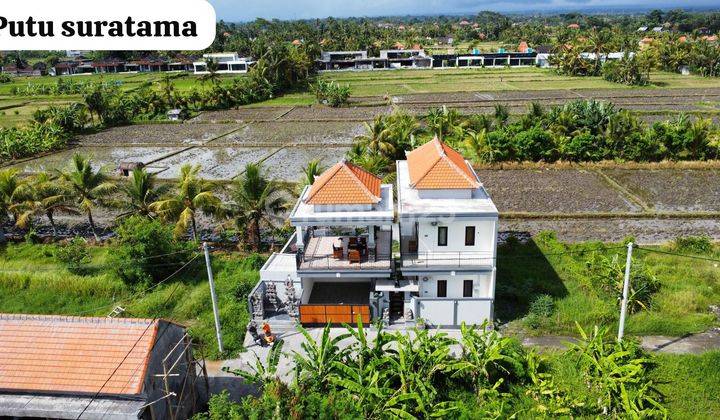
[[401, 58], [226, 62], [658, 29], [64, 367], [77, 53], [642, 29], [573, 26]]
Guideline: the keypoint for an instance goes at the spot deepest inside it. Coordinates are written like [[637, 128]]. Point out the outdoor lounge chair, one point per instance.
[[337, 252]]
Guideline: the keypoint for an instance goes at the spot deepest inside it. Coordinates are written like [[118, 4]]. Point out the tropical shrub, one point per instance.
[[74, 255], [146, 251], [16, 143], [616, 376], [608, 274], [694, 244], [331, 93], [626, 71], [415, 375]]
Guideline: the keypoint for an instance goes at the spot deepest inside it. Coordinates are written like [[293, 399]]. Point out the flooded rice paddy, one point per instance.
[[580, 204]]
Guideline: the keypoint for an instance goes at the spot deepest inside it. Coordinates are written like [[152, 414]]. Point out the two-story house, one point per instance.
[[448, 237], [341, 262]]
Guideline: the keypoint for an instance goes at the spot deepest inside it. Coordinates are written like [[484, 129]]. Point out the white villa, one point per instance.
[[227, 63], [343, 260]]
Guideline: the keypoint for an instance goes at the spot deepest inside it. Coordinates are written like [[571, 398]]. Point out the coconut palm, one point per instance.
[[194, 195], [254, 198], [48, 196], [477, 148], [89, 188], [211, 66], [12, 194], [377, 137], [140, 192], [312, 170]]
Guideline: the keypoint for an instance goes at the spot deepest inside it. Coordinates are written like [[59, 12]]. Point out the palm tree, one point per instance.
[[193, 194], [377, 137], [12, 194], [254, 199], [140, 192], [168, 88], [48, 196], [211, 66], [88, 187], [476, 146], [310, 172], [502, 114]]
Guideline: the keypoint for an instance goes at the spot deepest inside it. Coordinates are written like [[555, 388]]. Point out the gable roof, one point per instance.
[[436, 165], [345, 183], [74, 355]]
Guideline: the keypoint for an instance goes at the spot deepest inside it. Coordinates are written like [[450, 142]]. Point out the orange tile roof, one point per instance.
[[345, 183], [59, 354], [436, 165]]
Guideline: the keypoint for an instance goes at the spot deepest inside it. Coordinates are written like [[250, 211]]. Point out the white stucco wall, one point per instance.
[[450, 312], [482, 284], [485, 236]]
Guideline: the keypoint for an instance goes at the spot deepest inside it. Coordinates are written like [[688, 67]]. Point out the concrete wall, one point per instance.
[[453, 312], [485, 236], [482, 285]]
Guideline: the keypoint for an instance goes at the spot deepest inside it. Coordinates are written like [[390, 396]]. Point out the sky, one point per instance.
[[244, 10]]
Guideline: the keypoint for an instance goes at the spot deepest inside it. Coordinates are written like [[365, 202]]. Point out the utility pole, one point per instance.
[[626, 291], [214, 296]]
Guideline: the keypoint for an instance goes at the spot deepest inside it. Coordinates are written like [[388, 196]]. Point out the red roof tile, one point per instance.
[[436, 165], [345, 183], [62, 354]]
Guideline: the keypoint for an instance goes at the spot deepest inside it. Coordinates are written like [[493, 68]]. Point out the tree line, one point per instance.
[[245, 205], [579, 131]]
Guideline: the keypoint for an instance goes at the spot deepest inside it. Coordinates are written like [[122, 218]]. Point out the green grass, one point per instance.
[[690, 383], [396, 82], [680, 307], [32, 281]]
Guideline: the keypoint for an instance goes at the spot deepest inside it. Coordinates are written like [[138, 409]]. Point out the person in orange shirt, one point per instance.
[[269, 338]]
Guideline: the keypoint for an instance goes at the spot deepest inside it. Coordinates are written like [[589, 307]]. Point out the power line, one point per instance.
[[695, 257], [140, 293], [543, 255], [94, 397]]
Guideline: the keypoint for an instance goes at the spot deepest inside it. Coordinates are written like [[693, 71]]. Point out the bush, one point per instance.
[[16, 143], [331, 93], [542, 306], [608, 274], [626, 71], [139, 242], [5, 78], [694, 245], [74, 255]]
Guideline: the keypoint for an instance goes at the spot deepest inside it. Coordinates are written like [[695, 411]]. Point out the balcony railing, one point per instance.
[[447, 259], [328, 262], [337, 253]]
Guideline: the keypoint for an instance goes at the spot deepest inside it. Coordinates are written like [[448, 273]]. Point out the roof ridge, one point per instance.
[[461, 172], [328, 176], [430, 167], [356, 179]]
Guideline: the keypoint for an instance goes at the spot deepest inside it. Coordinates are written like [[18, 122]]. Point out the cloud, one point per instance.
[[243, 10]]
